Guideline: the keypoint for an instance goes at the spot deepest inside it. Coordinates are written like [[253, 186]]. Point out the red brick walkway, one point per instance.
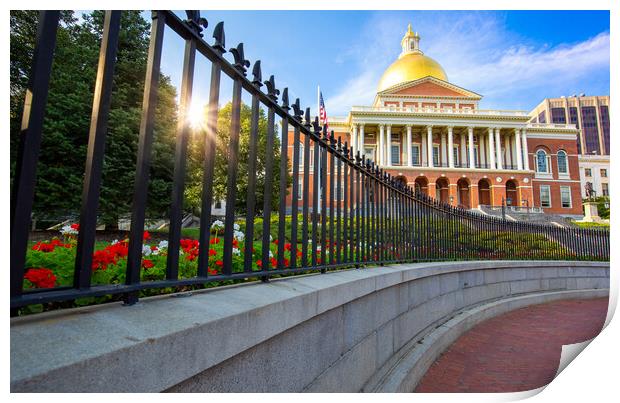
[[517, 351]]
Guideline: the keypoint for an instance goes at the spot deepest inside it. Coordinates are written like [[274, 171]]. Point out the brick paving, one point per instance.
[[516, 351]]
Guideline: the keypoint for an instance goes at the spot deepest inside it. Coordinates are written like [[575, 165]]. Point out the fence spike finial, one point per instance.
[[307, 119], [285, 99], [257, 75], [272, 91], [297, 112], [220, 37], [195, 21], [241, 64]]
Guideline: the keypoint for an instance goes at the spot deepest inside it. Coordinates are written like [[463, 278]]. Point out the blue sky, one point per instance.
[[513, 58]]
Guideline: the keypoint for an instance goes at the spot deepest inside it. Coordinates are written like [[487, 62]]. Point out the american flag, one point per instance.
[[322, 111]]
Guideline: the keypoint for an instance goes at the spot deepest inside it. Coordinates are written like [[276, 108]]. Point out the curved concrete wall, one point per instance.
[[342, 331]]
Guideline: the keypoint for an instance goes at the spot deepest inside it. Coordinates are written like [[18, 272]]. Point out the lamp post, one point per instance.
[[503, 209]]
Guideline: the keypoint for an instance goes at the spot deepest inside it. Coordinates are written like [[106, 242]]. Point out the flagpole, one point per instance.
[[318, 114]]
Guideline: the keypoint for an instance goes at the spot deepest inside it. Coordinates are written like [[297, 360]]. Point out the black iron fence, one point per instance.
[[362, 216]]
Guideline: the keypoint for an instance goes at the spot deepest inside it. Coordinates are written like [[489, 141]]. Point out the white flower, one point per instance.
[[239, 235], [67, 230], [270, 254], [217, 224], [270, 238], [162, 245], [146, 250], [236, 251], [114, 242], [236, 227]]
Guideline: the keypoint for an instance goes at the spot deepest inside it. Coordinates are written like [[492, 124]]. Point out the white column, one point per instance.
[[491, 149], [429, 145], [507, 150], [380, 149], [470, 138], [409, 157], [463, 150], [443, 149], [518, 150], [353, 143], [450, 148], [361, 140], [526, 157], [498, 149], [388, 146], [423, 149]]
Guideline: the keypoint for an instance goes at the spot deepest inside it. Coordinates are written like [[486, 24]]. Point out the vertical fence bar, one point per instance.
[[231, 175], [248, 257], [282, 187], [323, 200], [339, 203], [96, 149], [145, 142], [209, 154], [180, 158], [315, 191], [306, 199], [332, 178], [267, 190], [295, 195], [345, 203], [29, 145]]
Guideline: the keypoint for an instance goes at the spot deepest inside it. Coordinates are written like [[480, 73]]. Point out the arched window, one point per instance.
[[542, 162], [562, 162]]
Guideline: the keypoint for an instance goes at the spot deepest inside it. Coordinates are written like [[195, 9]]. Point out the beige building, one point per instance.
[[590, 114]]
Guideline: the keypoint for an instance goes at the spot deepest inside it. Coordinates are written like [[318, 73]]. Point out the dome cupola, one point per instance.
[[411, 65]]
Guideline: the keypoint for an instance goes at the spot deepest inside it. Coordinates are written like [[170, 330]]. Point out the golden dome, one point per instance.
[[411, 65]]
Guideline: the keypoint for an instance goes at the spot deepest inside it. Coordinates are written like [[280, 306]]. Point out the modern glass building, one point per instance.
[[590, 114]]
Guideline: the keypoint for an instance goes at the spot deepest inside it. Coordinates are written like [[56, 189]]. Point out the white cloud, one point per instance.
[[476, 51]]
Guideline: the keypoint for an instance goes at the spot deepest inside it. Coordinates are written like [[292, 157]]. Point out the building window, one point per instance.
[[395, 154], [545, 196], [603, 173], [604, 112], [542, 118], [475, 155], [558, 115], [311, 157], [562, 162], [542, 162], [590, 129], [605, 188], [300, 188], [436, 156], [588, 172], [301, 155], [574, 120], [565, 196], [218, 204], [415, 154], [369, 153], [457, 156]]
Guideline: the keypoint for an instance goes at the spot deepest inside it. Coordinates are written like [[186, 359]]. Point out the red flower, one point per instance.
[[41, 277], [75, 227], [147, 264], [287, 246], [212, 252], [274, 262], [235, 243], [286, 262], [219, 263], [214, 240], [275, 241], [153, 247], [212, 272], [146, 235], [259, 263]]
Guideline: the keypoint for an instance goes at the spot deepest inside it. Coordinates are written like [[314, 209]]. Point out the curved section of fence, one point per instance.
[[363, 216]]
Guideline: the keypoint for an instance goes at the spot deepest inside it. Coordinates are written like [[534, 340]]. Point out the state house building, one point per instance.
[[431, 134]]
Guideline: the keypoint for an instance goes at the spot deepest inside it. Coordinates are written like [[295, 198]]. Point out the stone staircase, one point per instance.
[[533, 215]]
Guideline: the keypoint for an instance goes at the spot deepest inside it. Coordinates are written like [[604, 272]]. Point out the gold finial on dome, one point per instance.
[[410, 42]]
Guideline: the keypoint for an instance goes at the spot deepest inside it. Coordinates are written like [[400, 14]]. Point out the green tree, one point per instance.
[[194, 186], [67, 121]]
